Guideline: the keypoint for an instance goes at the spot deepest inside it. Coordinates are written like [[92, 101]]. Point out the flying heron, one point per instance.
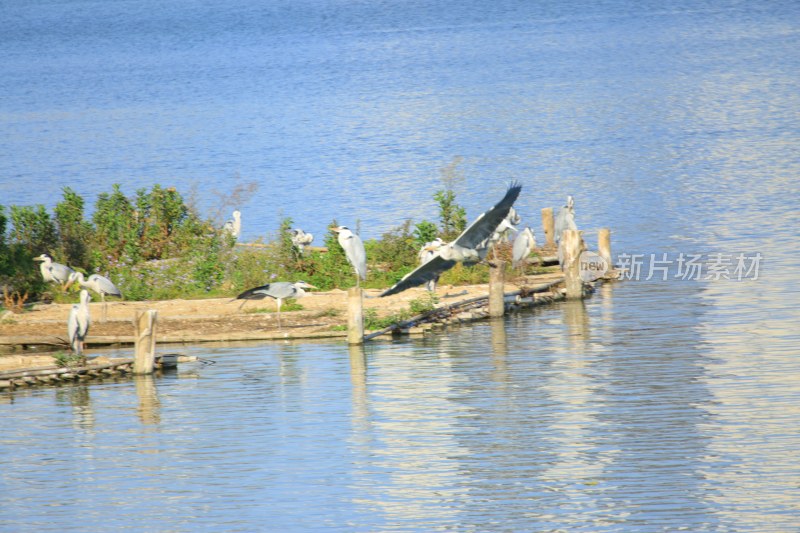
[[279, 291], [469, 247], [523, 245], [354, 250], [53, 272], [99, 284], [78, 323]]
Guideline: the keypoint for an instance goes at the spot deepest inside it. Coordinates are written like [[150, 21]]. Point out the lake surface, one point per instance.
[[664, 402]]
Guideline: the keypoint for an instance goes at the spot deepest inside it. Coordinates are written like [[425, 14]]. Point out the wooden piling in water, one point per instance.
[[604, 245], [549, 225], [497, 306], [572, 245], [355, 316], [145, 342]]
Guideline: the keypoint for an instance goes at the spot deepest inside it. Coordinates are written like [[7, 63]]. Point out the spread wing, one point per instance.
[[484, 226], [420, 275], [256, 293]]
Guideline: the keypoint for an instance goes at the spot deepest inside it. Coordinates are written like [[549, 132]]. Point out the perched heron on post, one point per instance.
[[469, 247], [53, 272], [565, 218], [354, 250], [426, 254], [301, 239], [78, 322], [234, 225], [279, 291], [99, 284], [523, 246]]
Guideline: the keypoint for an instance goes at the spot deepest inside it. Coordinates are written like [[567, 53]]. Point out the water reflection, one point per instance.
[[149, 410], [79, 399]]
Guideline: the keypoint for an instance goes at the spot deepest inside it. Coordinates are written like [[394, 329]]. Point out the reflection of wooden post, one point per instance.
[[549, 226], [572, 244], [149, 412], [497, 306], [355, 316], [604, 245], [144, 357]]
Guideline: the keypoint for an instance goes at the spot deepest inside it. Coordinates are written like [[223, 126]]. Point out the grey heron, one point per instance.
[[279, 291], [523, 246], [565, 219], [353, 250], [234, 225], [99, 284], [78, 322], [427, 253], [469, 247], [53, 272], [301, 239]]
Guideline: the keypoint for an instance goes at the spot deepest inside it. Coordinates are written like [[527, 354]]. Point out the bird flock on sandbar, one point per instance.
[[435, 257]]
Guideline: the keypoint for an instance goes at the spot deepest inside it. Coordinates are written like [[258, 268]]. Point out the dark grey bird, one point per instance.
[[522, 247], [53, 272], [301, 239], [353, 250], [99, 284], [469, 247], [565, 219], [279, 291], [78, 323]]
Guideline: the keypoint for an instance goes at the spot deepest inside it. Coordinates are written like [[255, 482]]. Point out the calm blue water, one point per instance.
[[657, 405]]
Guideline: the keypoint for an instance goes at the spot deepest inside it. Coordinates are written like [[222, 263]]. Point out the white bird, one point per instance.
[[78, 323], [565, 218], [427, 253], [234, 225], [53, 272], [469, 247], [99, 284], [354, 250], [279, 291], [523, 246], [301, 239]]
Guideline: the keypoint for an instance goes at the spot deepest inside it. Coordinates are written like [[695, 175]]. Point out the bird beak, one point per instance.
[[335, 230]]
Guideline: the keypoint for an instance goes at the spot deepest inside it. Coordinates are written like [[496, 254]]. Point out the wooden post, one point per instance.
[[144, 358], [497, 305], [572, 244], [549, 225], [604, 245], [355, 316]]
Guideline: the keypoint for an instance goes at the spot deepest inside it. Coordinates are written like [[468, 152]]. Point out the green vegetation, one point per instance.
[[154, 246]]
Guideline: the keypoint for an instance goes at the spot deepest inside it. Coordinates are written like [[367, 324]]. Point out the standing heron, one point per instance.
[[565, 218], [469, 247], [279, 291], [301, 239], [53, 272], [523, 246], [234, 225], [78, 323], [99, 284], [354, 250], [426, 254]]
